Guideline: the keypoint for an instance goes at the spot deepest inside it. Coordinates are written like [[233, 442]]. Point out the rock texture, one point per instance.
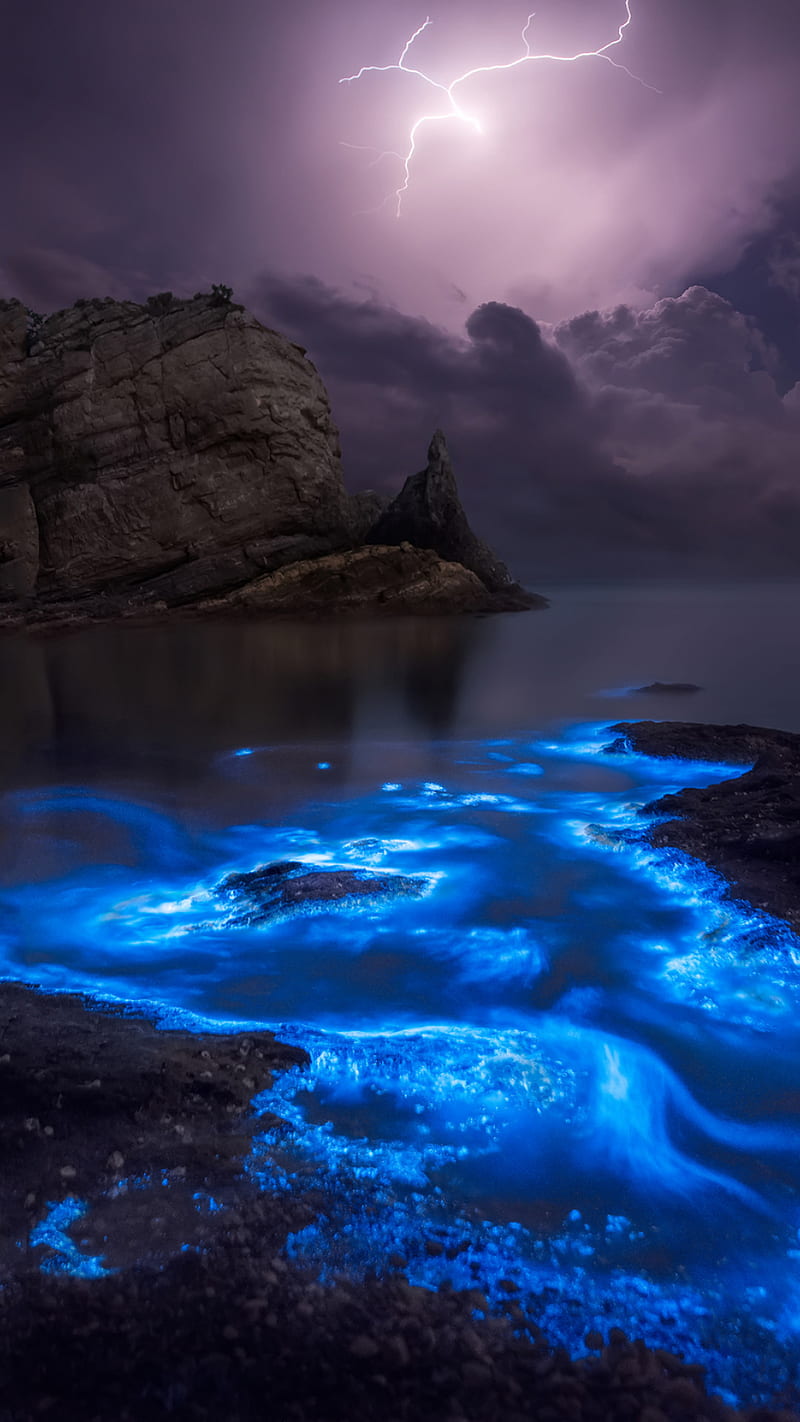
[[427, 513], [88, 1097], [401, 580], [363, 511], [277, 891], [171, 454], [746, 827], [173, 447], [234, 1334]]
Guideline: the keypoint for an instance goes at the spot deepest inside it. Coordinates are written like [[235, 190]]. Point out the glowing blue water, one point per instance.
[[567, 1068]]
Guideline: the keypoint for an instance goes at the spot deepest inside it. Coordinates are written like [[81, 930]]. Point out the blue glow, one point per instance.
[[570, 1062], [323, 765], [66, 1257]]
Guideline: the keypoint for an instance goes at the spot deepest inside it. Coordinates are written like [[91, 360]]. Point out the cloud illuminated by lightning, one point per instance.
[[455, 111]]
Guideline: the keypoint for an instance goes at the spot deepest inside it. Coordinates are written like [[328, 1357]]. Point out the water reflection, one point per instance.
[[110, 696]]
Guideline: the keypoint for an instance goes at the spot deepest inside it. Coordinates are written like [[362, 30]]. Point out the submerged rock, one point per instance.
[[747, 827], [291, 887], [666, 688]]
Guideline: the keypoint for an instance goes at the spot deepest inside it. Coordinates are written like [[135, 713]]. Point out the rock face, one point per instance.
[[176, 448], [427, 512], [363, 511], [746, 827], [366, 580], [179, 453]]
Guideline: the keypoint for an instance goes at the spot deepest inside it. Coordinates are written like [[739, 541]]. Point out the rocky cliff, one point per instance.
[[176, 453], [428, 513]]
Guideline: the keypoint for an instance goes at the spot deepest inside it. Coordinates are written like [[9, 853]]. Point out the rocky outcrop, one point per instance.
[[402, 580], [428, 513], [180, 453], [746, 827], [171, 447]]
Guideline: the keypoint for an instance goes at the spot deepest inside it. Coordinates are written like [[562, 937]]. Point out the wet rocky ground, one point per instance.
[[748, 827], [235, 1335], [213, 1322], [93, 1100]]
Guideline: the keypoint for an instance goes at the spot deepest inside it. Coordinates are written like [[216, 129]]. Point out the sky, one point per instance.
[[592, 285]]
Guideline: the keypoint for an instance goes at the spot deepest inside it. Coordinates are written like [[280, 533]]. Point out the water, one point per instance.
[[568, 1067]]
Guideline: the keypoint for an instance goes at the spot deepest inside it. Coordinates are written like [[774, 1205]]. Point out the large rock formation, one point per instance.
[[428, 513], [171, 448], [180, 453]]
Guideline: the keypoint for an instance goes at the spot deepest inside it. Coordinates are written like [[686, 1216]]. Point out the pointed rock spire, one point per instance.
[[428, 513]]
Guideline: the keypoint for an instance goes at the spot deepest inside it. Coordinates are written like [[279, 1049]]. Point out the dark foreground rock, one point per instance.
[[167, 455], [89, 1097], [234, 1335], [280, 890], [748, 827]]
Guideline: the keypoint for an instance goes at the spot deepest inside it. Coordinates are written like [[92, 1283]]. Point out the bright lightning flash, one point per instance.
[[455, 111]]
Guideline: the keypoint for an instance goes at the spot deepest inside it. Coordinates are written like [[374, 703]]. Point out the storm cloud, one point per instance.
[[172, 146], [617, 441], [593, 288]]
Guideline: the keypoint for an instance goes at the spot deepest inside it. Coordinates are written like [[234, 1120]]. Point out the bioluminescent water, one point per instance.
[[566, 1069]]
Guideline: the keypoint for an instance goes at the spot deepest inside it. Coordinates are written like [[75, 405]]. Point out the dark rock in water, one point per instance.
[[748, 827], [666, 688], [428, 513], [688, 740], [289, 887]]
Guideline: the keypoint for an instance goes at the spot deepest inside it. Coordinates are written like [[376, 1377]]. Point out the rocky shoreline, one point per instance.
[[746, 828], [93, 1098]]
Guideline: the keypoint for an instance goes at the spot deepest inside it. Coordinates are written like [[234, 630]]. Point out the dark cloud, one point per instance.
[[784, 264], [627, 439], [204, 139], [765, 281], [48, 279]]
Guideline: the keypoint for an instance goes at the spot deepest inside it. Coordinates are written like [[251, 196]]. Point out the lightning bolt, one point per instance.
[[455, 111]]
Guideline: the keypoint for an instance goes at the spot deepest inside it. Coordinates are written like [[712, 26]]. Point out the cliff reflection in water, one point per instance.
[[112, 695]]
